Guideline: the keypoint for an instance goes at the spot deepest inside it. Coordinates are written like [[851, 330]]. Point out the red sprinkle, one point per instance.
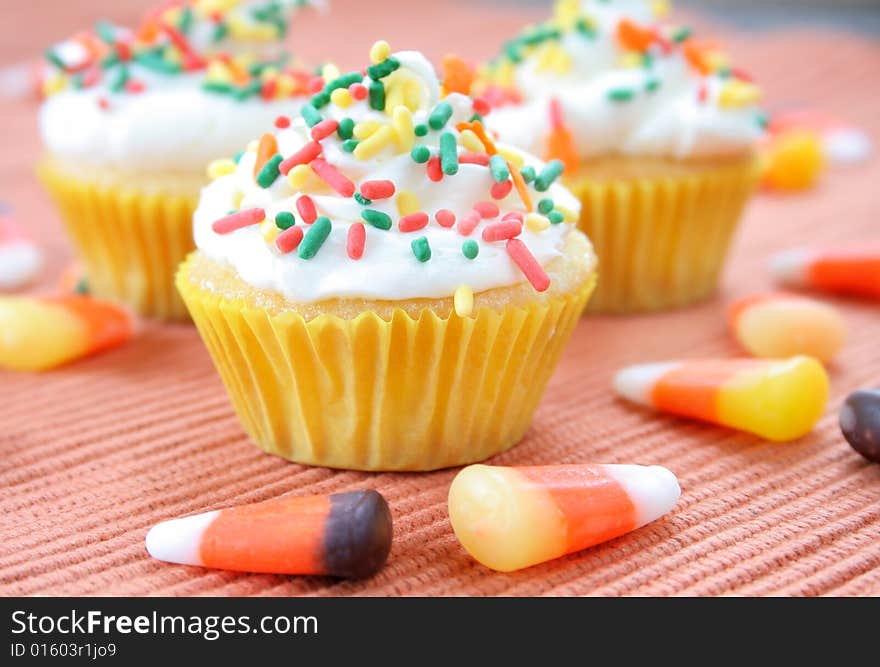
[[324, 129], [306, 208], [518, 216], [134, 86], [354, 244], [702, 92], [481, 106], [501, 190], [474, 158], [103, 103], [487, 209], [555, 113], [282, 122], [288, 240], [123, 50], [332, 177], [245, 218], [316, 84], [413, 222], [435, 173], [445, 217], [377, 189], [358, 91], [527, 263], [468, 223], [268, 90], [303, 156], [501, 231], [742, 75]]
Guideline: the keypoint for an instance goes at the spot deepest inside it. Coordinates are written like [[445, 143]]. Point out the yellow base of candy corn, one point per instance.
[[389, 391], [36, 336], [661, 228], [130, 239]]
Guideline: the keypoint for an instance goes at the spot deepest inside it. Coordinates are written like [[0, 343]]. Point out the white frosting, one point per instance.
[[388, 268], [671, 121]]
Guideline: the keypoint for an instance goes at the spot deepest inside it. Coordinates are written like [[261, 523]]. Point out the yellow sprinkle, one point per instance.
[[172, 55], [407, 202], [737, 94], [472, 142], [464, 301], [566, 13], [236, 199], [393, 96], [631, 60], [269, 230], [330, 72], [660, 8], [412, 94], [380, 51], [53, 84], [514, 157], [218, 71], [553, 57], [299, 176], [341, 98], [403, 128], [365, 128], [286, 86], [568, 214], [240, 29], [212, 6], [374, 143], [219, 168], [172, 15], [269, 73], [562, 62], [717, 60], [505, 74], [536, 222]]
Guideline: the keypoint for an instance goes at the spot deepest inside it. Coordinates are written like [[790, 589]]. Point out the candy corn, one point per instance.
[[40, 333], [841, 141], [341, 535], [782, 325], [73, 280], [511, 518], [792, 161], [778, 400], [20, 259], [851, 269]]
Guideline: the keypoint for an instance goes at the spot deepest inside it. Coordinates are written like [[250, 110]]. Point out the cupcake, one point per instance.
[[378, 285], [657, 133], [131, 119]]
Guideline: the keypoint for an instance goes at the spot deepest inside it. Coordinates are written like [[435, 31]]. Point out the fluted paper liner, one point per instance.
[[131, 242], [662, 243], [376, 394]]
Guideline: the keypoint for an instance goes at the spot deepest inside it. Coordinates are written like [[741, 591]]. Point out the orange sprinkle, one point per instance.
[[477, 128], [633, 36], [697, 55], [265, 150], [560, 142], [458, 76]]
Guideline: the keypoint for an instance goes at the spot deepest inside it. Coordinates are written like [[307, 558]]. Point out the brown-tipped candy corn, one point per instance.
[[851, 269], [860, 422], [777, 399], [511, 518], [341, 535], [782, 325]]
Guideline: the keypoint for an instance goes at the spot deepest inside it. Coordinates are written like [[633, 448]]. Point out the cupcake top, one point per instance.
[[604, 77], [195, 80], [385, 189]]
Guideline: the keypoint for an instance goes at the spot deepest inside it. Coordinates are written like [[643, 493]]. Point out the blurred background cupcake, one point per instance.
[[132, 119], [657, 132], [378, 286]]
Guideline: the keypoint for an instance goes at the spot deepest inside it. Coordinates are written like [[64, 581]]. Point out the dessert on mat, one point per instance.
[[378, 284], [132, 119], [658, 133]]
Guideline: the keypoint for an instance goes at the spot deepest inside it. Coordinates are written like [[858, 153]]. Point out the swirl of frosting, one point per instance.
[[605, 77], [385, 189], [195, 80]]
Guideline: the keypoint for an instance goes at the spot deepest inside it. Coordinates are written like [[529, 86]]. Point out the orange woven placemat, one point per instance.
[[93, 454]]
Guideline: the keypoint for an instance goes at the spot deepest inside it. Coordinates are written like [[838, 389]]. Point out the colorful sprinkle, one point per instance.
[[445, 217], [487, 209], [285, 220], [306, 208], [499, 168], [448, 154], [289, 239], [304, 155], [527, 263], [421, 249], [548, 175], [382, 189], [501, 190], [333, 177], [501, 231], [234, 221], [413, 222], [354, 243], [468, 223], [314, 238], [463, 301], [377, 219], [470, 249], [420, 153], [269, 173], [324, 129], [440, 116], [407, 202]]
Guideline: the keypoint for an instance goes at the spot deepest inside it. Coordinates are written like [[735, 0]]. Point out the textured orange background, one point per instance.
[[93, 454]]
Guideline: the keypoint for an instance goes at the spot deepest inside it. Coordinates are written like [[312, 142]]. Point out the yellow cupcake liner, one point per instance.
[[130, 241], [662, 242], [376, 394]]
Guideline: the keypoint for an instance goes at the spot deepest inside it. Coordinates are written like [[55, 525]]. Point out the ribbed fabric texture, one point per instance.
[[94, 454]]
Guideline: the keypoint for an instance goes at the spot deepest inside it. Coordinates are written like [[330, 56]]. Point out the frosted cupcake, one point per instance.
[[658, 134], [376, 284], [131, 120]]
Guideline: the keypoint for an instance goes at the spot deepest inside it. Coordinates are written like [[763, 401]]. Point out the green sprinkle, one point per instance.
[[377, 96], [110, 60], [311, 115], [118, 80], [82, 287], [499, 169], [106, 31], [269, 173], [314, 238], [512, 51], [724, 72], [470, 249], [247, 91], [555, 217], [420, 153], [548, 174], [528, 173], [476, 116], [55, 59], [621, 94], [761, 120], [420, 130], [383, 69], [448, 154], [349, 145], [186, 19], [346, 128], [77, 81], [440, 116], [220, 32], [237, 157], [154, 61], [585, 28], [681, 34], [378, 219], [647, 59], [320, 100], [217, 87], [540, 34], [652, 84], [421, 249], [545, 205], [360, 199], [285, 220], [343, 81]]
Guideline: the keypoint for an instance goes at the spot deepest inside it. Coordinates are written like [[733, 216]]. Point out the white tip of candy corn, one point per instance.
[[19, 264], [846, 145], [179, 540], [790, 266], [653, 490], [636, 382]]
